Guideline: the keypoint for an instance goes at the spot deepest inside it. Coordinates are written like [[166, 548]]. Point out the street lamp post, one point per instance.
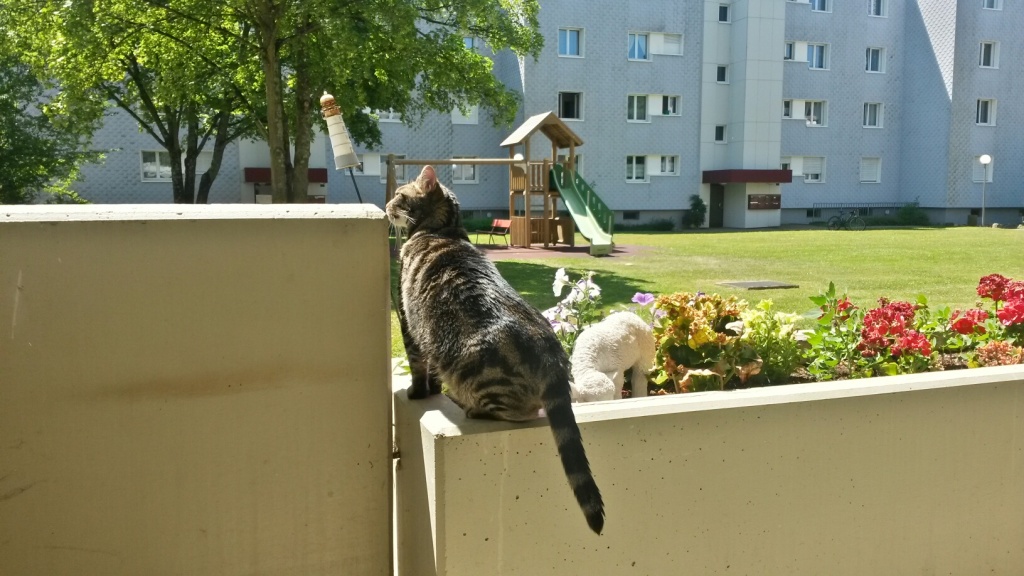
[[985, 160]]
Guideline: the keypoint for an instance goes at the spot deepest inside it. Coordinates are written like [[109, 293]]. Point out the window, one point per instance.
[[399, 170], [464, 173], [579, 161], [670, 106], [821, 6], [631, 215], [569, 42], [636, 168], [817, 56], [878, 8], [982, 172], [469, 42], [638, 47], [472, 116], [989, 57], [720, 133], [637, 108], [871, 170], [671, 44], [872, 114], [156, 166], [369, 165], [722, 76], [388, 116], [986, 114], [788, 53], [814, 169], [723, 13], [815, 112], [570, 105], [992, 4], [670, 165], [787, 108], [874, 60]]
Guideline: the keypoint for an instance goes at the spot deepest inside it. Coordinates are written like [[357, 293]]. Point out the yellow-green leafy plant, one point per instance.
[[699, 345], [772, 334]]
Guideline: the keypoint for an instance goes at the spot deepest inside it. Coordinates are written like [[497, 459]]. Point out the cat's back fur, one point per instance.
[[463, 324]]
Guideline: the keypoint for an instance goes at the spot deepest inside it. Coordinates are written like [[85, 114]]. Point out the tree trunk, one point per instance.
[[277, 132], [221, 139], [191, 152], [303, 133], [172, 141]]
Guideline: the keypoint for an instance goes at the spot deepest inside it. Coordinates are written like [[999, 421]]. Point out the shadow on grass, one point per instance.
[[534, 282]]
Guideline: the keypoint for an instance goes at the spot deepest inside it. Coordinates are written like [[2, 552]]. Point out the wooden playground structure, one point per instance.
[[528, 180]]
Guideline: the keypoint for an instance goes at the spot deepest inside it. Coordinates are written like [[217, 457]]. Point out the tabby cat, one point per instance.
[[463, 324]]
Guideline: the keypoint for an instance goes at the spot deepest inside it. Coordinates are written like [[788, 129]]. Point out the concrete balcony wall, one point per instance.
[[905, 475], [194, 390]]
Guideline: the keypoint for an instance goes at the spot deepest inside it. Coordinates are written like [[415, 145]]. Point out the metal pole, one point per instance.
[[984, 180]]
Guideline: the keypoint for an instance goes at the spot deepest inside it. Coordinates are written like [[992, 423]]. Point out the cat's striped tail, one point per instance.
[[558, 405]]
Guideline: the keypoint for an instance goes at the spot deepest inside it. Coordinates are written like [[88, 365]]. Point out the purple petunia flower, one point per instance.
[[643, 299]]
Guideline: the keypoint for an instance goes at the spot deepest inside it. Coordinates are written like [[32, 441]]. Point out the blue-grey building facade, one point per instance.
[[868, 104]]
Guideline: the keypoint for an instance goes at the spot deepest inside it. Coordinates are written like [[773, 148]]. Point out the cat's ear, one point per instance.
[[428, 179]]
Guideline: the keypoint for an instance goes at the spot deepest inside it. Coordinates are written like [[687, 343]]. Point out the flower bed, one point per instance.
[[710, 342]]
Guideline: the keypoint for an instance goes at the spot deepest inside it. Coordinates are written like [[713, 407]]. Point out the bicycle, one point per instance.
[[849, 220]]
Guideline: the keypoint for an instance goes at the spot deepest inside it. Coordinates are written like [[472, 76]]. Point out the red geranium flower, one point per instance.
[[970, 322], [1012, 313], [993, 287], [912, 341]]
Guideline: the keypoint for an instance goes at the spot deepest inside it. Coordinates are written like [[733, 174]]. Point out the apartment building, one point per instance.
[[773, 111]]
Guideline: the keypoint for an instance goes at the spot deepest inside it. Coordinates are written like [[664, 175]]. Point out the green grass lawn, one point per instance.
[[944, 264]]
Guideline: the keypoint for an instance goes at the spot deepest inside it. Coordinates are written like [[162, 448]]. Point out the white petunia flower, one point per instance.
[[561, 281]]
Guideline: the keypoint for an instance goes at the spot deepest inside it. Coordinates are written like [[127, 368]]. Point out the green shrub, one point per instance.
[[773, 336], [912, 215], [660, 225], [694, 217]]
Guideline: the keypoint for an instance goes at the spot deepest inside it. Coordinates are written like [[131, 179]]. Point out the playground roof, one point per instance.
[[552, 127]]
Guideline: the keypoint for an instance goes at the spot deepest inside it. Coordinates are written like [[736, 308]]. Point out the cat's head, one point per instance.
[[424, 205]]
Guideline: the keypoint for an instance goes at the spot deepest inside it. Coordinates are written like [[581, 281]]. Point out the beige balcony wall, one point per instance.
[[194, 390], [906, 475]]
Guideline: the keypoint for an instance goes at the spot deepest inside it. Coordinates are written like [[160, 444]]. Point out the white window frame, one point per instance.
[[993, 54], [787, 108], [814, 177], [981, 172], [367, 160], [388, 115], [636, 108], [727, 10], [789, 52], [821, 5], [822, 113], [579, 105], [660, 42], [988, 117], [673, 108], [632, 163], [723, 129], [162, 160], [669, 161], [400, 170], [880, 51], [878, 8], [812, 58], [634, 38], [459, 172], [992, 4], [722, 74], [879, 110], [579, 42], [872, 167]]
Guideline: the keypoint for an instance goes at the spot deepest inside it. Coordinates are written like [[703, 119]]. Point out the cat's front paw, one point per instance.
[[418, 392]]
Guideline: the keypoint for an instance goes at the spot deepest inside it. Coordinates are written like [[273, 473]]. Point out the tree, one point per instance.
[[112, 52], [400, 55], [39, 150]]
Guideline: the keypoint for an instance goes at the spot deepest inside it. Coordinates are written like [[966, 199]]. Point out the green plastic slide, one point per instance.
[[592, 217]]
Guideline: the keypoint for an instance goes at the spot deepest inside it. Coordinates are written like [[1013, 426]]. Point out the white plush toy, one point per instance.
[[603, 353]]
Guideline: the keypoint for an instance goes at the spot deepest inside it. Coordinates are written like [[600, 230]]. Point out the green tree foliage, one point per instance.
[[161, 70], [40, 150], [272, 59]]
